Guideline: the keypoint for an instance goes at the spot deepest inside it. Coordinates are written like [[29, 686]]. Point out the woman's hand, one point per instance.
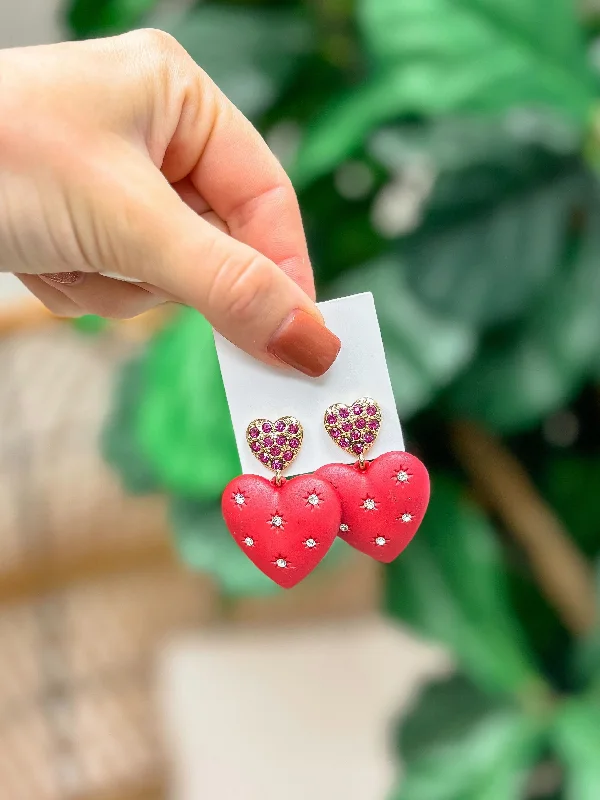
[[121, 156]]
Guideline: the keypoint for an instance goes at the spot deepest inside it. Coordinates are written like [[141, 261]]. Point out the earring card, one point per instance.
[[255, 390]]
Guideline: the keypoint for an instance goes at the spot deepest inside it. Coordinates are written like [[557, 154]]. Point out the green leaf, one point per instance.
[[424, 351], [570, 483], [249, 53], [507, 34], [183, 423], [87, 18], [457, 744], [455, 143], [577, 743], [446, 710], [205, 544], [351, 239], [467, 165], [536, 369], [450, 585], [475, 160], [545, 632], [586, 659], [487, 269], [497, 221], [435, 57], [119, 445]]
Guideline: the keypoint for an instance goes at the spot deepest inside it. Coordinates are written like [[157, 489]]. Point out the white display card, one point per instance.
[[256, 390]]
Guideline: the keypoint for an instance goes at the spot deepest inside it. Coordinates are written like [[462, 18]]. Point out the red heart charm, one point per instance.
[[382, 504], [284, 530]]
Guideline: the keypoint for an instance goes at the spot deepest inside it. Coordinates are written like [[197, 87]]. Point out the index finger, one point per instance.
[[233, 169]]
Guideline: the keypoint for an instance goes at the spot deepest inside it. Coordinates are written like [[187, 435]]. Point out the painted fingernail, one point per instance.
[[66, 278], [304, 343]]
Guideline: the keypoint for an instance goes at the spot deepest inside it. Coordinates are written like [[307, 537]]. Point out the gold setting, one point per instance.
[[354, 427], [275, 444]]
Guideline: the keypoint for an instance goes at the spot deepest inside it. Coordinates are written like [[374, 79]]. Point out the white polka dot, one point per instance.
[[239, 498], [249, 541], [402, 476], [380, 540], [310, 543], [313, 499], [369, 504], [406, 517], [277, 522], [344, 528], [281, 563]]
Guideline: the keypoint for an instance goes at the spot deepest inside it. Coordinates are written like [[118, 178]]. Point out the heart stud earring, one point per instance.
[[384, 500], [354, 428], [275, 444], [285, 526]]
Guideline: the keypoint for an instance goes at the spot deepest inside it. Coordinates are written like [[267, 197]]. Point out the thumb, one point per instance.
[[244, 295]]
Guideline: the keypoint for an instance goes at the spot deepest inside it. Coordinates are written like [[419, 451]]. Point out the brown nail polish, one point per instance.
[[305, 344], [66, 278]]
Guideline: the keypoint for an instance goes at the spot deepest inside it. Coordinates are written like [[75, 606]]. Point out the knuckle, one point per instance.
[[277, 198], [166, 60], [241, 287], [157, 40]]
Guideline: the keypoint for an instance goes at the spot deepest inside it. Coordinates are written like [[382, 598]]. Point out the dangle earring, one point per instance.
[[384, 500], [285, 526]]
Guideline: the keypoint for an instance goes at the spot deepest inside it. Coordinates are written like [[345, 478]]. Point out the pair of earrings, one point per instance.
[[287, 526]]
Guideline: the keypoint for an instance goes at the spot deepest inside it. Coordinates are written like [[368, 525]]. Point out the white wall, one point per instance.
[[25, 22]]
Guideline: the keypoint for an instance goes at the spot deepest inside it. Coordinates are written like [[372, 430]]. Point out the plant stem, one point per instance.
[[563, 574]]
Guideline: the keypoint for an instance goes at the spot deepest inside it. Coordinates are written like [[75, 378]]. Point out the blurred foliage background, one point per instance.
[[446, 157]]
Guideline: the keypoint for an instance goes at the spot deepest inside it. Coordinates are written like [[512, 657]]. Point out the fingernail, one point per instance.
[[66, 278], [305, 344]]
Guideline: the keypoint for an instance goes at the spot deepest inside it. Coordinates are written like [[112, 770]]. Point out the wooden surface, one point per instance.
[[29, 314], [153, 789]]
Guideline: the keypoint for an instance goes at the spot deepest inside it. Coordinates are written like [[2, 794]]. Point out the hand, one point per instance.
[[121, 156]]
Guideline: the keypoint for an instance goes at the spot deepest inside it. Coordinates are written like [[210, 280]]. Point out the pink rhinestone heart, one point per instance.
[[360, 421], [275, 444]]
